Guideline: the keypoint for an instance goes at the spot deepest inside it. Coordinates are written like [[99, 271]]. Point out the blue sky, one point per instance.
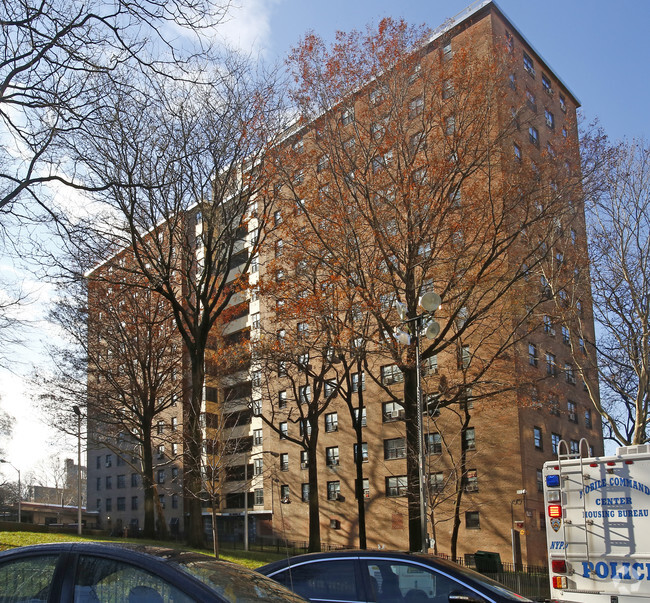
[[599, 49]]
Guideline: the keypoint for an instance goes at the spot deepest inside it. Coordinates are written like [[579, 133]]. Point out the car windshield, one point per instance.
[[234, 582]]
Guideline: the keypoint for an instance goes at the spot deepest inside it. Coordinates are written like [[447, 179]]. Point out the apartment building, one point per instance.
[[498, 400]]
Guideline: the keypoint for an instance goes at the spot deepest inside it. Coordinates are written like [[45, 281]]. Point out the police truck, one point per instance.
[[597, 513]]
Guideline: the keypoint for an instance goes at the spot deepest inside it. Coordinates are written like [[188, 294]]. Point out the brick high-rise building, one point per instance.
[[507, 420]]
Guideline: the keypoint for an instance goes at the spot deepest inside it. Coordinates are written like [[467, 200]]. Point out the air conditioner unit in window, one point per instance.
[[335, 524], [304, 465], [285, 500]]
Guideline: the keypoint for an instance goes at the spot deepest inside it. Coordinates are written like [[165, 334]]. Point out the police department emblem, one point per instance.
[[556, 522]]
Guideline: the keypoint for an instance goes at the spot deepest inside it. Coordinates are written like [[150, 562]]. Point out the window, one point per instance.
[[394, 448], [305, 427], [377, 130], [447, 89], [562, 103], [364, 452], [160, 477], [282, 368], [365, 488], [304, 459], [581, 345], [566, 335], [284, 493], [332, 456], [533, 135], [298, 177], [175, 474], [284, 461], [550, 120], [551, 367], [98, 462], [540, 480], [257, 437], [512, 81], [377, 95], [258, 466], [464, 357], [284, 430], [455, 198], [528, 65], [174, 423], [571, 409], [109, 482], [134, 503], [430, 365], [470, 481], [532, 354], [510, 42], [555, 442], [573, 446], [121, 481], [549, 329], [109, 504], [391, 374], [537, 438], [433, 443], [298, 146], [569, 373], [436, 482], [396, 486], [450, 125], [416, 107], [363, 416], [258, 496], [472, 520], [469, 439], [256, 378], [331, 422], [517, 151], [304, 492], [392, 411], [333, 490], [546, 84], [447, 52], [255, 320], [304, 394], [355, 382], [347, 116], [277, 217], [109, 460], [257, 407], [282, 399], [121, 503], [531, 101], [554, 405], [135, 480], [588, 419], [330, 388], [323, 161]]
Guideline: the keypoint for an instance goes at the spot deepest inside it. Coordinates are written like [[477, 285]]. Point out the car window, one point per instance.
[[319, 580], [394, 581], [27, 579], [101, 580]]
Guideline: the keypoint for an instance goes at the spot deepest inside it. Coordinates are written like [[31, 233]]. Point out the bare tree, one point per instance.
[[187, 189], [617, 190]]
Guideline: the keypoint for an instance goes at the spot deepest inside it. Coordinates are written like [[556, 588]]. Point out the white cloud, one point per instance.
[[248, 25]]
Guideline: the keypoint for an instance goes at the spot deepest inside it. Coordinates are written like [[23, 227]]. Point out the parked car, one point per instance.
[[86, 572], [384, 577]]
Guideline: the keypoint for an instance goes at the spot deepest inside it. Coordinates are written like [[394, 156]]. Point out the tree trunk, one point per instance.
[[361, 501], [148, 485], [193, 456], [460, 483], [162, 532], [314, 505], [215, 534]]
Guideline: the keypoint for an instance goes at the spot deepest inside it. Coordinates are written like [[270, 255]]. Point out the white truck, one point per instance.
[[597, 513]]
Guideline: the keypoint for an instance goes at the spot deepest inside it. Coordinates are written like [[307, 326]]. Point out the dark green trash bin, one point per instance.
[[488, 562]]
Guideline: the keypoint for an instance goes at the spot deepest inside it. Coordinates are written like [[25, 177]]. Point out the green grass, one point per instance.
[[250, 559]]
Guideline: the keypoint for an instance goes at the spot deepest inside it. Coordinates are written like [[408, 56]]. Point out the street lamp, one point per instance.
[[77, 412], [429, 302], [19, 489]]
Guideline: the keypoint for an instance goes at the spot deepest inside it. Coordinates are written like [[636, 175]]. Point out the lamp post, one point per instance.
[[429, 302], [77, 412], [19, 489]]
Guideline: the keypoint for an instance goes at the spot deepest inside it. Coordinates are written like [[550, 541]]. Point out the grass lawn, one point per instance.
[[250, 559]]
